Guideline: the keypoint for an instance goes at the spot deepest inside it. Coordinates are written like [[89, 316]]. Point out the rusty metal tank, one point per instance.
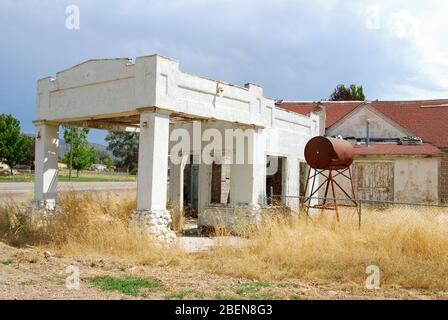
[[328, 153]]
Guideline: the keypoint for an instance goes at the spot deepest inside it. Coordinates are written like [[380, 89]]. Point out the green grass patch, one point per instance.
[[256, 290], [17, 178], [95, 179], [7, 262], [128, 286], [227, 297], [266, 295], [252, 287], [180, 295], [83, 177]]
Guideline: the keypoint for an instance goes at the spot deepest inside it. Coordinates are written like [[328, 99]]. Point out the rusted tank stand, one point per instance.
[[329, 158]]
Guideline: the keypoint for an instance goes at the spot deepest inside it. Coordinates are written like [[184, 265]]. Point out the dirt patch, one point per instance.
[[31, 273]]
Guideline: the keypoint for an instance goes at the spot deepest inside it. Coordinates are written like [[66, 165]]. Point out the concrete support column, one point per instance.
[[204, 186], [151, 213], [248, 180], [152, 161], [46, 165], [176, 191], [291, 182]]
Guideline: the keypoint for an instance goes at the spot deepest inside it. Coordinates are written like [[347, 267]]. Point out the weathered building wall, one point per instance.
[[443, 177], [416, 179], [399, 178], [410, 178], [354, 125]]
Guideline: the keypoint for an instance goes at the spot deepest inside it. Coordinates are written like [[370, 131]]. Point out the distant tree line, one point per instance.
[[17, 148]]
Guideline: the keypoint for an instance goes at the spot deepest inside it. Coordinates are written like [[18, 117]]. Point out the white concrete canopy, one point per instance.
[[153, 97]]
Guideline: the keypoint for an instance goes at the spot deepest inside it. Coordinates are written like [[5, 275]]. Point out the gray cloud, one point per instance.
[[294, 49]]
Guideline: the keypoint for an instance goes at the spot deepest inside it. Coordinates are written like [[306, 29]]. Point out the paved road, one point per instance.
[[23, 189]]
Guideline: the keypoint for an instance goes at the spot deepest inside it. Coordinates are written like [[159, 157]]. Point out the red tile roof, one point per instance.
[[397, 149], [427, 119], [335, 110]]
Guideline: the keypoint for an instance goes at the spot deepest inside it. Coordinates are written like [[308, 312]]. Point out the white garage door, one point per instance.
[[374, 180]]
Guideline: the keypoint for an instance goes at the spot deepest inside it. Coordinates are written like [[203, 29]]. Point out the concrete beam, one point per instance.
[[105, 125]]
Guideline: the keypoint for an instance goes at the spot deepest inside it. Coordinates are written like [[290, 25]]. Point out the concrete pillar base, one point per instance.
[[155, 222], [49, 205], [40, 213], [234, 219]]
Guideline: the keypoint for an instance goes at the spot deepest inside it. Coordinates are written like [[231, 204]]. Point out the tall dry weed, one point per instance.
[[88, 224], [178, 218], [410, 246]]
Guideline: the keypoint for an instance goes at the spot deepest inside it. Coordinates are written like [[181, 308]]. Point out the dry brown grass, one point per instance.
[[15, 227], [409, 245], [87, 224], [178, 219]]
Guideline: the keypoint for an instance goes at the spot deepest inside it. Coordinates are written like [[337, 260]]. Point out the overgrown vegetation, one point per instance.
[[409, 246], [87, 224], [178, 219]]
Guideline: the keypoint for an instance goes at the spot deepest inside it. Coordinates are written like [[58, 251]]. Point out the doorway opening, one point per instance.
[[220, 184], [275, 167], [190, 189]]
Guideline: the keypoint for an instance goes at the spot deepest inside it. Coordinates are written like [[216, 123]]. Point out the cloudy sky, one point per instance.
[[297, 50]]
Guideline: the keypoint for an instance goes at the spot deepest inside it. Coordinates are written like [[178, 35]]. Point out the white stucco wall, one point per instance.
[[416, 179]]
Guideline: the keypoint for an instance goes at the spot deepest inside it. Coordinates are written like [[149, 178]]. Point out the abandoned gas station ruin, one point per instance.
[[153, 97]]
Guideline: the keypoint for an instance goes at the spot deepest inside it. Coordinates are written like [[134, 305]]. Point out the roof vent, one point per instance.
[[410, 140]]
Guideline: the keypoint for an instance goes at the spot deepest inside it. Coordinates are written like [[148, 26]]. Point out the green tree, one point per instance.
[[124, 147], [352, 93], [104, 157], [108, 162], [31, 153], [81, 154], [14, 146]]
